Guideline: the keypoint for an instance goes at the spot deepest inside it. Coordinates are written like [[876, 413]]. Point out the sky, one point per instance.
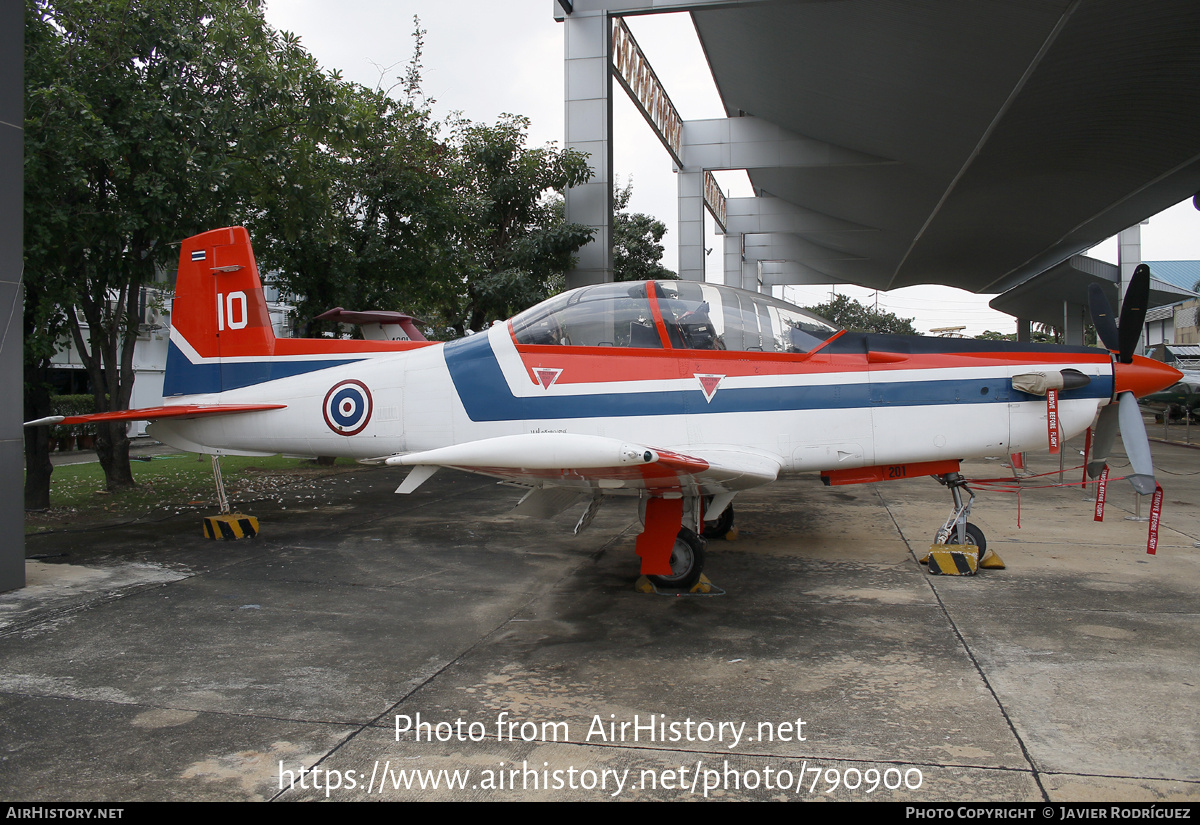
[[484, 58]]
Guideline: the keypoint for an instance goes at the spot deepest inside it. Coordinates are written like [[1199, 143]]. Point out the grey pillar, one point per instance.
[[12, 444], [1074, 317], [691, 225], [589, 129], [733, 260], [1023, 334], [1129, 255]]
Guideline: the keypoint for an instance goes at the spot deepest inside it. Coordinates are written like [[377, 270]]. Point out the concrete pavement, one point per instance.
[[145, 662]]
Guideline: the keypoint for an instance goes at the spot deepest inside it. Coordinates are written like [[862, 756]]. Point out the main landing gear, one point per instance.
[[958, 531], [674, 536], [687, 561]]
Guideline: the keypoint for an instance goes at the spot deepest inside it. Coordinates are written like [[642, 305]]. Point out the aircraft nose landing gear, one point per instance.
[[958, 531]]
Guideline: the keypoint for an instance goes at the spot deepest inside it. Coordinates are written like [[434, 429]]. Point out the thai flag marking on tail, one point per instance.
[[197, 254]]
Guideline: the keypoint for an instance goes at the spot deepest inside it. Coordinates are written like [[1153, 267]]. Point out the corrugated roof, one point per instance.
[[1183, 274]]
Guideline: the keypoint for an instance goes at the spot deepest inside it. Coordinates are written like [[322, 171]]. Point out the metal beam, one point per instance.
[[630, 7], [754, 143], [769, 214], [777, 246]]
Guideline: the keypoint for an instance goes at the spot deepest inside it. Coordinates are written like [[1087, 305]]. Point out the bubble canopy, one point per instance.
[[671, 314]]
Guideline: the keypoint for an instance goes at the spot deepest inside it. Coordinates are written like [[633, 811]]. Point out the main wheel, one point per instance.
[[687, 561], [723, 523], [974, 536]]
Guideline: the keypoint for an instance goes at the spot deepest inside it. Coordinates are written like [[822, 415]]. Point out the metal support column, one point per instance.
[[589, 129], [691, 224], [12, 440]]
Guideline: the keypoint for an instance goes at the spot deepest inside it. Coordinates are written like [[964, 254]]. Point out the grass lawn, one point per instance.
[[170, 484]]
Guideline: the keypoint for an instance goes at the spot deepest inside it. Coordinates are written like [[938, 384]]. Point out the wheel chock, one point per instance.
[[953, 560], [230, 526], [991, 561], [732, 535], [703, 587]]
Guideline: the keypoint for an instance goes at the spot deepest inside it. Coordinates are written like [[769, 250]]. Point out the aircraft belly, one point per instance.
[[940, 432]]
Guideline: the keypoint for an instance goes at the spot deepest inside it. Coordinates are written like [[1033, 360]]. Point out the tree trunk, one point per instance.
[[104, 368], [112, 448]]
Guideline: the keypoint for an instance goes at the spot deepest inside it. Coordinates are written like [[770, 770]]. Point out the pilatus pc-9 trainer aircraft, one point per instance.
[[682, 394]]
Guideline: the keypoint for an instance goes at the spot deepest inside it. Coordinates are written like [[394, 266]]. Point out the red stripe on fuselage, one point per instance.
[[593, 365]]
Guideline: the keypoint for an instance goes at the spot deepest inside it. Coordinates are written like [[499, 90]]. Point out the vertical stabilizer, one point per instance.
[[219, 313]]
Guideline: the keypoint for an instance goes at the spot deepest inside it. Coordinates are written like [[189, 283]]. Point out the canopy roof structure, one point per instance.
[[1042, 299], [969, 144]]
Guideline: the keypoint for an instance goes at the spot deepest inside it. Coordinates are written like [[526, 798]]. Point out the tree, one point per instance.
[[849, 313], [637, 242], [365, 221], [367, 224], [511, 240], [146, 121]]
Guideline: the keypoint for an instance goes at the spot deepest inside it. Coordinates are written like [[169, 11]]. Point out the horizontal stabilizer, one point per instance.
[[155, 413]]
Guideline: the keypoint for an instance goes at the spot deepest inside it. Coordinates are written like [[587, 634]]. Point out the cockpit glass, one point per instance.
[[695, 316], [709, 316], [605, 315]]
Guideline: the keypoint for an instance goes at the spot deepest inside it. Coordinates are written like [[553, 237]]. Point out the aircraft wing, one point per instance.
[[155, 413], [595, 462]]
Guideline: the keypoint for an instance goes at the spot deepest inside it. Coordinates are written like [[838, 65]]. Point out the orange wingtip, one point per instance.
[[175, 411]]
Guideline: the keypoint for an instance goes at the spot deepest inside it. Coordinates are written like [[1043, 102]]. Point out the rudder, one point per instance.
[[219, 312]]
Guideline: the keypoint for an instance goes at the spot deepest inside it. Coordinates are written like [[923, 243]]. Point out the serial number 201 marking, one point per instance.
[[897, 471], [225, 310]]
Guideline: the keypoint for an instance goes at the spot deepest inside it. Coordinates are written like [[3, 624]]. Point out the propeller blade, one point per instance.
[[1102, 440], [1133, 312], [1137, 444], [1102, 317]]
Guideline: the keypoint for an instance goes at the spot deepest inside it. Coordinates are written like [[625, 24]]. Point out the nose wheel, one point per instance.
[[957, 530]]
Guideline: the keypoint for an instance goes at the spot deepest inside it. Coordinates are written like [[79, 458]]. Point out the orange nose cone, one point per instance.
[[1144, 376]]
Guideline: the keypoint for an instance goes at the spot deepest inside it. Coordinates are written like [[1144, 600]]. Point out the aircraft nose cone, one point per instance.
[[1144, 376]]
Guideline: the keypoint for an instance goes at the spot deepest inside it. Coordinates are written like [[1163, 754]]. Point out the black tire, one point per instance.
[[974, 536], [722, 525], [687, 561]]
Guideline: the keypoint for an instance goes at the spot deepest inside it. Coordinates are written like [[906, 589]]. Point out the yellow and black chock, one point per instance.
[[230, 526], [960, 560]]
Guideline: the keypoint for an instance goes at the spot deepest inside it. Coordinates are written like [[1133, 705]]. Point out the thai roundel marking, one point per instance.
[[347, 407]]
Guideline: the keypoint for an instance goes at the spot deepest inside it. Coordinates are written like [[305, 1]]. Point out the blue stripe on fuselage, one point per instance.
[[486, 395], [185, 378]]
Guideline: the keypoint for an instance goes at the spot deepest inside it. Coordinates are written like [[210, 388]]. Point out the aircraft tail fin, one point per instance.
[[219, 313]]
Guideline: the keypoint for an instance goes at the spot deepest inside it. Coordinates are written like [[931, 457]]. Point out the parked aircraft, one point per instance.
[[682, 394], [1178, 400]]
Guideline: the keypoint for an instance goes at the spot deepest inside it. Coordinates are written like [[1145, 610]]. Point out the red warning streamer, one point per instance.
[[1101, 490], [1052, 419], [1155, 515]]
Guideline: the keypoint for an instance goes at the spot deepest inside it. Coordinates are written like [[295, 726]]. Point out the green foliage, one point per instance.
[[148, 121], [364, 223], [68, 405], [511, 241], [145, 122], [637, 242], [849, 313]]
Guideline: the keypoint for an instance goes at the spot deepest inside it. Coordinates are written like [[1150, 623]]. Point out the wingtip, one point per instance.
[[42, 422]]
